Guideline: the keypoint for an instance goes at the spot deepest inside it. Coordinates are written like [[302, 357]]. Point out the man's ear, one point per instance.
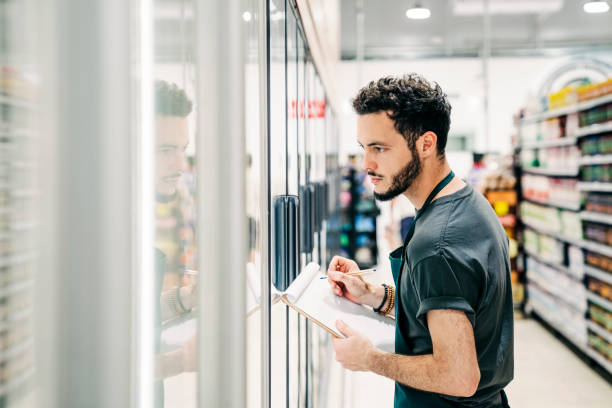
[[429, 142]]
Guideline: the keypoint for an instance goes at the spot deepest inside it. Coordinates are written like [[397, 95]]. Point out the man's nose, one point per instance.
[[178, 161], [367, 163]]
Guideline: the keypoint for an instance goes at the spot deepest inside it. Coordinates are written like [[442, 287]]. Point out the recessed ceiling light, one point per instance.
[[247, 16], [596, 7], [418, 13], [476, 7]]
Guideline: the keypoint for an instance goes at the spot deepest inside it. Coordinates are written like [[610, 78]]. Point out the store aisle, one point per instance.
[[547, 374]]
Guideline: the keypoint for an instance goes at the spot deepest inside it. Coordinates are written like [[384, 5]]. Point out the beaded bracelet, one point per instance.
[[379, 308], [180, 303], [391, 302]]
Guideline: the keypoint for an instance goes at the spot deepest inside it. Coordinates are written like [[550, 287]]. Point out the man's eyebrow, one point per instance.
[[377, 144], [168, 145]]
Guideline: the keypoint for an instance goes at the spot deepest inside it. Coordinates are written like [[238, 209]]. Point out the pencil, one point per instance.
[[361, 272]]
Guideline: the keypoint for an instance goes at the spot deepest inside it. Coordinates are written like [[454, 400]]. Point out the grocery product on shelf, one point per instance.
[[601, 288], [598, 232], [575, 260], [601, 173], [599, 261], [551, 219], [595, 115], [594, 91], [561, 316], [566, 155], [597, 202], [601, 345], [600, 316], [498, 186], [564, 159], [596, 144], [560, 191], [563, 286]]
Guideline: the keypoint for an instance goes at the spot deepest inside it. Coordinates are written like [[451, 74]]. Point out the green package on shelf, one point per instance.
[[344, 240]]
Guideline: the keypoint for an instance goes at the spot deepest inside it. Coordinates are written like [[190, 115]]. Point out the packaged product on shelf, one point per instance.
[[572, 123], [559, 191], [530, 241], [559, 314], [541, 216], [592, 91], [599, 144], [550, 249], [542, 158], [598, 232], [601, 288], [600, 316], [552, 128], [597, 173], [575, 257], [528, 158], [564, 97], [563, 286], [571, 224], [599, 261], [597, 202], [600, 344], [595, 115]]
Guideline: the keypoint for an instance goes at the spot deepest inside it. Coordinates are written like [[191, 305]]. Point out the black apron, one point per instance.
[[397, 259]]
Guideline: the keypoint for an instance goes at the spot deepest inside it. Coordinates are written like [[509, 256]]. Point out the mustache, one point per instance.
[[371, 174]]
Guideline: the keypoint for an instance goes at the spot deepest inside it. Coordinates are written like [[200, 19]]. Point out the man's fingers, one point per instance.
[[334, 264], [339, 263], [335, 287], [337, 276], [344, 329]]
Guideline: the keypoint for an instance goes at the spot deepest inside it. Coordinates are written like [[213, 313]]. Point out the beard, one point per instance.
[[402, 180]]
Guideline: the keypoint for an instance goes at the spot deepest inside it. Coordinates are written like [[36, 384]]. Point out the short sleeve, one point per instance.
[[441, 283]]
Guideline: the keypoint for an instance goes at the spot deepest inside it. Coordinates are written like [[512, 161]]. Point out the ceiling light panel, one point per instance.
[[476, 7]]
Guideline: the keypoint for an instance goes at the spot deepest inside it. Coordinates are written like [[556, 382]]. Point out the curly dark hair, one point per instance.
[[414, 104], [170, 100]]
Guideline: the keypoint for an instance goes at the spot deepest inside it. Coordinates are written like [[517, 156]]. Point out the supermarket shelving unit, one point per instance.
[[559, 287]]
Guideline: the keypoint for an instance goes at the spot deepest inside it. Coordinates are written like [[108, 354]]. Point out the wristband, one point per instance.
[[379, 308]]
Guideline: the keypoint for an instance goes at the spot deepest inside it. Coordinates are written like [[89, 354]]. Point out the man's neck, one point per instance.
[[428, 180]]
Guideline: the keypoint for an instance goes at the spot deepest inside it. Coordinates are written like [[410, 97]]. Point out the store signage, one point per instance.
[[316, 109]]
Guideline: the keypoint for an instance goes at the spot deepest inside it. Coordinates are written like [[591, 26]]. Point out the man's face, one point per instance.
[[389, 162], [171, 138]]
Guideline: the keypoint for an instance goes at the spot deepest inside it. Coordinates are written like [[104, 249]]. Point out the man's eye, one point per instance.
[[380, 149]]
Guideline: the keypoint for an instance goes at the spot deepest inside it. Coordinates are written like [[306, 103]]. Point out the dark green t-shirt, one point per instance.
[[457, 259]]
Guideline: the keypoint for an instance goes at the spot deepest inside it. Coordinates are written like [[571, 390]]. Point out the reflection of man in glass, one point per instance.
[[174, 205], [174, 237]]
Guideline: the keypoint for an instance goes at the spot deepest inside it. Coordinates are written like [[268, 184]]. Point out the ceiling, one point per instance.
[[456, 28]]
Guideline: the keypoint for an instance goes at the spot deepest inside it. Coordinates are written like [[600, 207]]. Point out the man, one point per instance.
[[174, 234], [453, 300], [174, 237]]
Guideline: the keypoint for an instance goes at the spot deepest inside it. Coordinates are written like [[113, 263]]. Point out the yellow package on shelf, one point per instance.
[[566, 96]]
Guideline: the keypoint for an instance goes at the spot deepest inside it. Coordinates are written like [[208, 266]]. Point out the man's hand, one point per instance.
[[353, 351], [189, 355], [354, 288], [189, 295]]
